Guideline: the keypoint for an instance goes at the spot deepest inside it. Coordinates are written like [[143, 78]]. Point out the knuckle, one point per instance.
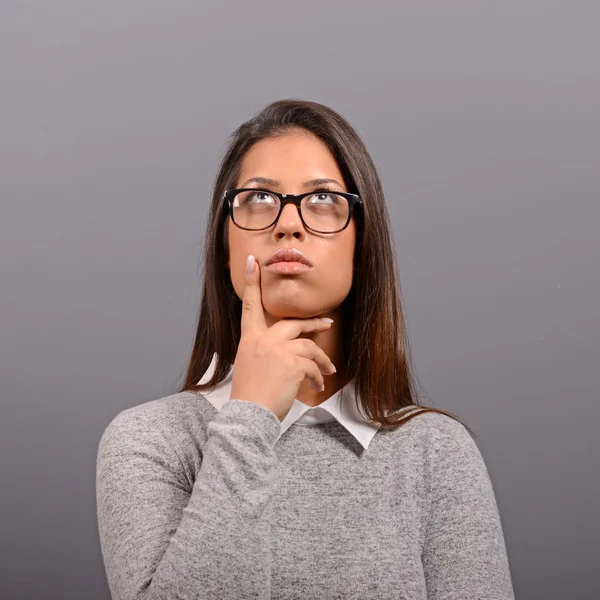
[[307, 346], [313, 346], [289, 361]]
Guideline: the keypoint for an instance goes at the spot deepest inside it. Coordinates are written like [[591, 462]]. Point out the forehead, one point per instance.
[[290, 159]]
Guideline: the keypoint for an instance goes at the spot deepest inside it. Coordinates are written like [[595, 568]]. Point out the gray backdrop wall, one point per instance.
[[483, 119]]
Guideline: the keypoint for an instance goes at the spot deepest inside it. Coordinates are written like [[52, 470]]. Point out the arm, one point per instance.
[[464, 554], [162, 540]]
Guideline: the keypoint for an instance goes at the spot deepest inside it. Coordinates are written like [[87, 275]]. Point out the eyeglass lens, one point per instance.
[[322, 211]]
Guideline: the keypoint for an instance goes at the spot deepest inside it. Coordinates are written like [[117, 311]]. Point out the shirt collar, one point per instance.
[[340, 407]]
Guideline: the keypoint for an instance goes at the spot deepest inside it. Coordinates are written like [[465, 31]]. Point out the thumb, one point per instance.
[[253, 315]]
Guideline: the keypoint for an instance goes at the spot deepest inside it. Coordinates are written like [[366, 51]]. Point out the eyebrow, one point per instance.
[[306, 184]]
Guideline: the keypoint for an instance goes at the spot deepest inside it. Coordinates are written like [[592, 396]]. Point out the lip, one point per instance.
[[288, 267], [289, 255]]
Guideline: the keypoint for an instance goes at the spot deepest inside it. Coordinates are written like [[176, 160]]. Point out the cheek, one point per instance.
[[338, 274], [237, 283], [238, 252], [346, 252]]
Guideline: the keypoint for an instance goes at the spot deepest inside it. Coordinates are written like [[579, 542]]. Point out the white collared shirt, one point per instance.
[[341, 407]]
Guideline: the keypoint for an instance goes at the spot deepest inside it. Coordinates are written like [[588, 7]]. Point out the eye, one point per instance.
[[262, 197], [323, 197]]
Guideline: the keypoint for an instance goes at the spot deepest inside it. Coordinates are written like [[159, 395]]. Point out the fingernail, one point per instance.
[[250, 264], [327, 319]]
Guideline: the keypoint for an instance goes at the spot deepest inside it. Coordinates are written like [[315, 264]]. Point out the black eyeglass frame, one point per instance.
[[229, 195]]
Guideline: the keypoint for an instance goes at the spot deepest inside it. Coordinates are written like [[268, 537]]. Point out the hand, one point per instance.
[[271, 363]]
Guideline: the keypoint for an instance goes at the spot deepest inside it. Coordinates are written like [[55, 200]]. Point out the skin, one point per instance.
[[291, 160]]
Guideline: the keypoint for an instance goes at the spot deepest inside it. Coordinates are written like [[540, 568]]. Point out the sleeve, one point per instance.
[[162, 538], [464, 554]]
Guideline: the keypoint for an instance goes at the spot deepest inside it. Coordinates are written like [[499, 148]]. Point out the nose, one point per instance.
[[289, 222]]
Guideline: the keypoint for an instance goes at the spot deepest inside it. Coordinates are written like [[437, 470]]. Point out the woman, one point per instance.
[[296, 462]]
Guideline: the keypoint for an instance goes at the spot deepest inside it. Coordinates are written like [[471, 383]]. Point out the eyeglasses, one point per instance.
[[321, 211]]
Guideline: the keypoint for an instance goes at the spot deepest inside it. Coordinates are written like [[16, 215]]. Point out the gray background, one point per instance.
[[483, 119]]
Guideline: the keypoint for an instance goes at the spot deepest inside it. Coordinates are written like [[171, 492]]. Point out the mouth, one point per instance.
[[285, 267], [289, 255]]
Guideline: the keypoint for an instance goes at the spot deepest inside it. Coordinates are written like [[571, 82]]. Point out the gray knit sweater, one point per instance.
[[195, 502]]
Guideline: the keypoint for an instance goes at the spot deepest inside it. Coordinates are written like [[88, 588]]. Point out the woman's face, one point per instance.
[[292, 160]]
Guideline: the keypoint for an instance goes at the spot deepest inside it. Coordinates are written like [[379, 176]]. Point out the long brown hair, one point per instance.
[[375, 348]]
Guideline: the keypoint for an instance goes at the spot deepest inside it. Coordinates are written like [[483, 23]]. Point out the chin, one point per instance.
[[289, 310], [290, 313]]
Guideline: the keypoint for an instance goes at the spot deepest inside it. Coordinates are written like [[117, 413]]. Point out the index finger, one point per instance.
[[253, 314]]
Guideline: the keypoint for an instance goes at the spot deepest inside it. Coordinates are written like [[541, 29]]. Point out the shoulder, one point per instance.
[[443, 440], [175, 424], [452, 458], [436, 428], [440, 428], [168, 414]]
